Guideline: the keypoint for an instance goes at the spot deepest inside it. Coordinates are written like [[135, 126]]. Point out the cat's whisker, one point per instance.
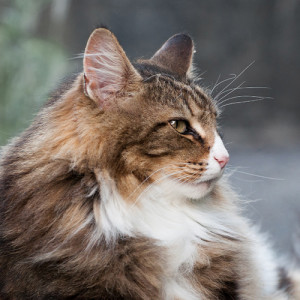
[[245, 88], [242, 96], [163, 177], [247, 101], [219, 83], [191, 175], [181, 180], [155, 182], [228, 93], [140, 185], [238, 96], [235, 78], [256, 175], [150, 186]]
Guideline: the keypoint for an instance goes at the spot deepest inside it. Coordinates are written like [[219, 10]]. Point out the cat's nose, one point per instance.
[[222, 160]]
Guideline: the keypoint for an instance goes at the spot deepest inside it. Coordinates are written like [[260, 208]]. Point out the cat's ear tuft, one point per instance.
[[176, 54], [107, 70]]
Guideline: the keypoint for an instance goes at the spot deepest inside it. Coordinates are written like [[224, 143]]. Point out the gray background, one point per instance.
[[262, 137]]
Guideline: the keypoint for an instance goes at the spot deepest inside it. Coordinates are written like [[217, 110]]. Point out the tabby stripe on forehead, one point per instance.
[[186, 103], [193, 92], [200, 94]]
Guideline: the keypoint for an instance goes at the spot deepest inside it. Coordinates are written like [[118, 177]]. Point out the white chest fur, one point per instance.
[[182, 226], [176, 223]]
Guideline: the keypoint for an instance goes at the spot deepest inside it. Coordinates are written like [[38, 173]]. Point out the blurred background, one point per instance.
[[40, 40]]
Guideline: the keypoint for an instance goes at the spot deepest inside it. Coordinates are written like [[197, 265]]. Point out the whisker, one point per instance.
[[242, 96], [245, 88], [256, 175], [186, 177], [230, 92], [179, 180], [196, 171], [235, 78], [225, 80], [248, 101], [150, 186], [165, 167]]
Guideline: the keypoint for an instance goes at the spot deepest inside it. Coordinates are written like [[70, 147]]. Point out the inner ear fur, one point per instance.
[[107, 70]]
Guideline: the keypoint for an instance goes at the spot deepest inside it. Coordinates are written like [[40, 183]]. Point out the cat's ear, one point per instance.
[[176, 54], [107, 70]]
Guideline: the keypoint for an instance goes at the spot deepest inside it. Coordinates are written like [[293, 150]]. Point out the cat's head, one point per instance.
[[157, 126]]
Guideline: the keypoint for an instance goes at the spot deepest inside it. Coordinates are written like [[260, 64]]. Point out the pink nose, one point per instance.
[[222, 160]]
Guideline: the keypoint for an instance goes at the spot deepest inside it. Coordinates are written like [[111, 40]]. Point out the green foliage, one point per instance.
[[29, 66]]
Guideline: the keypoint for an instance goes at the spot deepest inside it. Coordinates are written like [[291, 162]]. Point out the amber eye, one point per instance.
[[179, 125]]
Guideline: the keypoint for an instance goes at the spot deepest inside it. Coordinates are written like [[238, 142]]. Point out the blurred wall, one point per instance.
[[40, 40]]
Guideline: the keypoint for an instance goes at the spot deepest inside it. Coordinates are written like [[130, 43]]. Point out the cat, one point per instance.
[[116, 191]]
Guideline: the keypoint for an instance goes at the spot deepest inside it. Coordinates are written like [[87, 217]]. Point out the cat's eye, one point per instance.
[[179, 125]]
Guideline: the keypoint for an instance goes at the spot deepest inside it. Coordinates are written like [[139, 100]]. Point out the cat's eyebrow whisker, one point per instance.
[[256, 175], [245, 88], [235, 78], [248, 101], [243, 96], [217, 84], [230, 92]]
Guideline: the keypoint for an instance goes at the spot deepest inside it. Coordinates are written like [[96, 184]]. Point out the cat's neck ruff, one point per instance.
[[177, 224], [160, 213]]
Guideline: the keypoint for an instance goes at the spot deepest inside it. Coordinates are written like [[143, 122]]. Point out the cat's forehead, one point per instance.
[[176, 92]]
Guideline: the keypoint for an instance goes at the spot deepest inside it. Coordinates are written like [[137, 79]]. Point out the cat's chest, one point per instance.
[[181, 230], [183, 235], [180, 260]]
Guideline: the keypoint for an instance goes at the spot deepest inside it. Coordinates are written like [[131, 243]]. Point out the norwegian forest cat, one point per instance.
[[115, 191]]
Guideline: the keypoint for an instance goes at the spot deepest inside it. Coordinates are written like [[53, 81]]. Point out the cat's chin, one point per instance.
[[199, 190], [196, 190]]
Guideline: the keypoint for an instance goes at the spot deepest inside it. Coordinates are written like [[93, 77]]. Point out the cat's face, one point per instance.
[[160, 128]]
